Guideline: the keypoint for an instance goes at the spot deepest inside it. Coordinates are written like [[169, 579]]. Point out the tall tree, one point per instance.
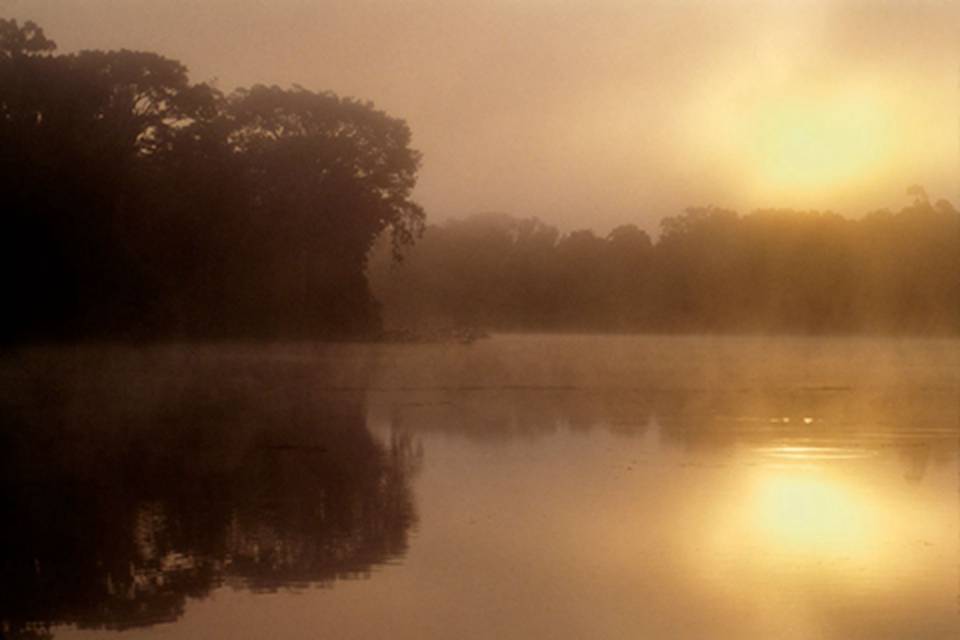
[[139, 204]]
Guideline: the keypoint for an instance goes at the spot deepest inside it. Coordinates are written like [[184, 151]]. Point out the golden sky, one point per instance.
[[592, 113]]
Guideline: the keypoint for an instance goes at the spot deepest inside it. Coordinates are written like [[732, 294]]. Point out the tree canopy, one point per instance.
[[140, 204], [710, 270]]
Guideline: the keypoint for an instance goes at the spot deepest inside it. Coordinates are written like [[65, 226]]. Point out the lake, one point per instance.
[[524, 486]]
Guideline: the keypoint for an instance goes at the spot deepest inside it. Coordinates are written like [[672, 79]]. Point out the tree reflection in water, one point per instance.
[[124, 495], [131, 481]]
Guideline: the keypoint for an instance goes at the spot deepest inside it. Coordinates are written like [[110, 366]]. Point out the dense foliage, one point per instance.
[[710, 270], [138, 204]]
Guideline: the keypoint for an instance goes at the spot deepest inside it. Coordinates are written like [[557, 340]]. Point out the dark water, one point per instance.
[[520, 487]]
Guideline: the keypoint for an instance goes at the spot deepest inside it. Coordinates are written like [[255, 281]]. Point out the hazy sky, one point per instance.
[[596, 112]]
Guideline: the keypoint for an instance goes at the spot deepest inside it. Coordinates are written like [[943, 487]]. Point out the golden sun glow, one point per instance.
[[802, 144], [806, 509], [805, 512], [783, 126], [792, 145], [801, 508]]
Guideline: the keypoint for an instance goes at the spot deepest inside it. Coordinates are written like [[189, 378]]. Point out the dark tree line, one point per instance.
[[138, 204], [710, 270]]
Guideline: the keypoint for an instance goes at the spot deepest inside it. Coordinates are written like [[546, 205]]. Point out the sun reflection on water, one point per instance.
[[803, 524], [798, 503], [805, 453], [803, 510]]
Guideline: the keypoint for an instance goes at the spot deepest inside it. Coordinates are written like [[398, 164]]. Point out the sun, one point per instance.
[[802, 144], [798, 140]]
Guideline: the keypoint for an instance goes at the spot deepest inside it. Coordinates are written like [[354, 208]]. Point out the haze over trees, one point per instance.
[[140, 205], [709, 270]]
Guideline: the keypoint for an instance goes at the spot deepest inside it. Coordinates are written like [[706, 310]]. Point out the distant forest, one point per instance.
[[710, 270], [140, 206]]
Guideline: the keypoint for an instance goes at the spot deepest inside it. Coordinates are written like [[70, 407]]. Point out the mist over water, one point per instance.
[[249, 388], [522, 486]]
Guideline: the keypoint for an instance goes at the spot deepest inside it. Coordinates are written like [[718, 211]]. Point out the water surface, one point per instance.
[[519, 487]]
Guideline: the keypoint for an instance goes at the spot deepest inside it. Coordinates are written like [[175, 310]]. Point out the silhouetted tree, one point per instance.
[[139, 204]]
